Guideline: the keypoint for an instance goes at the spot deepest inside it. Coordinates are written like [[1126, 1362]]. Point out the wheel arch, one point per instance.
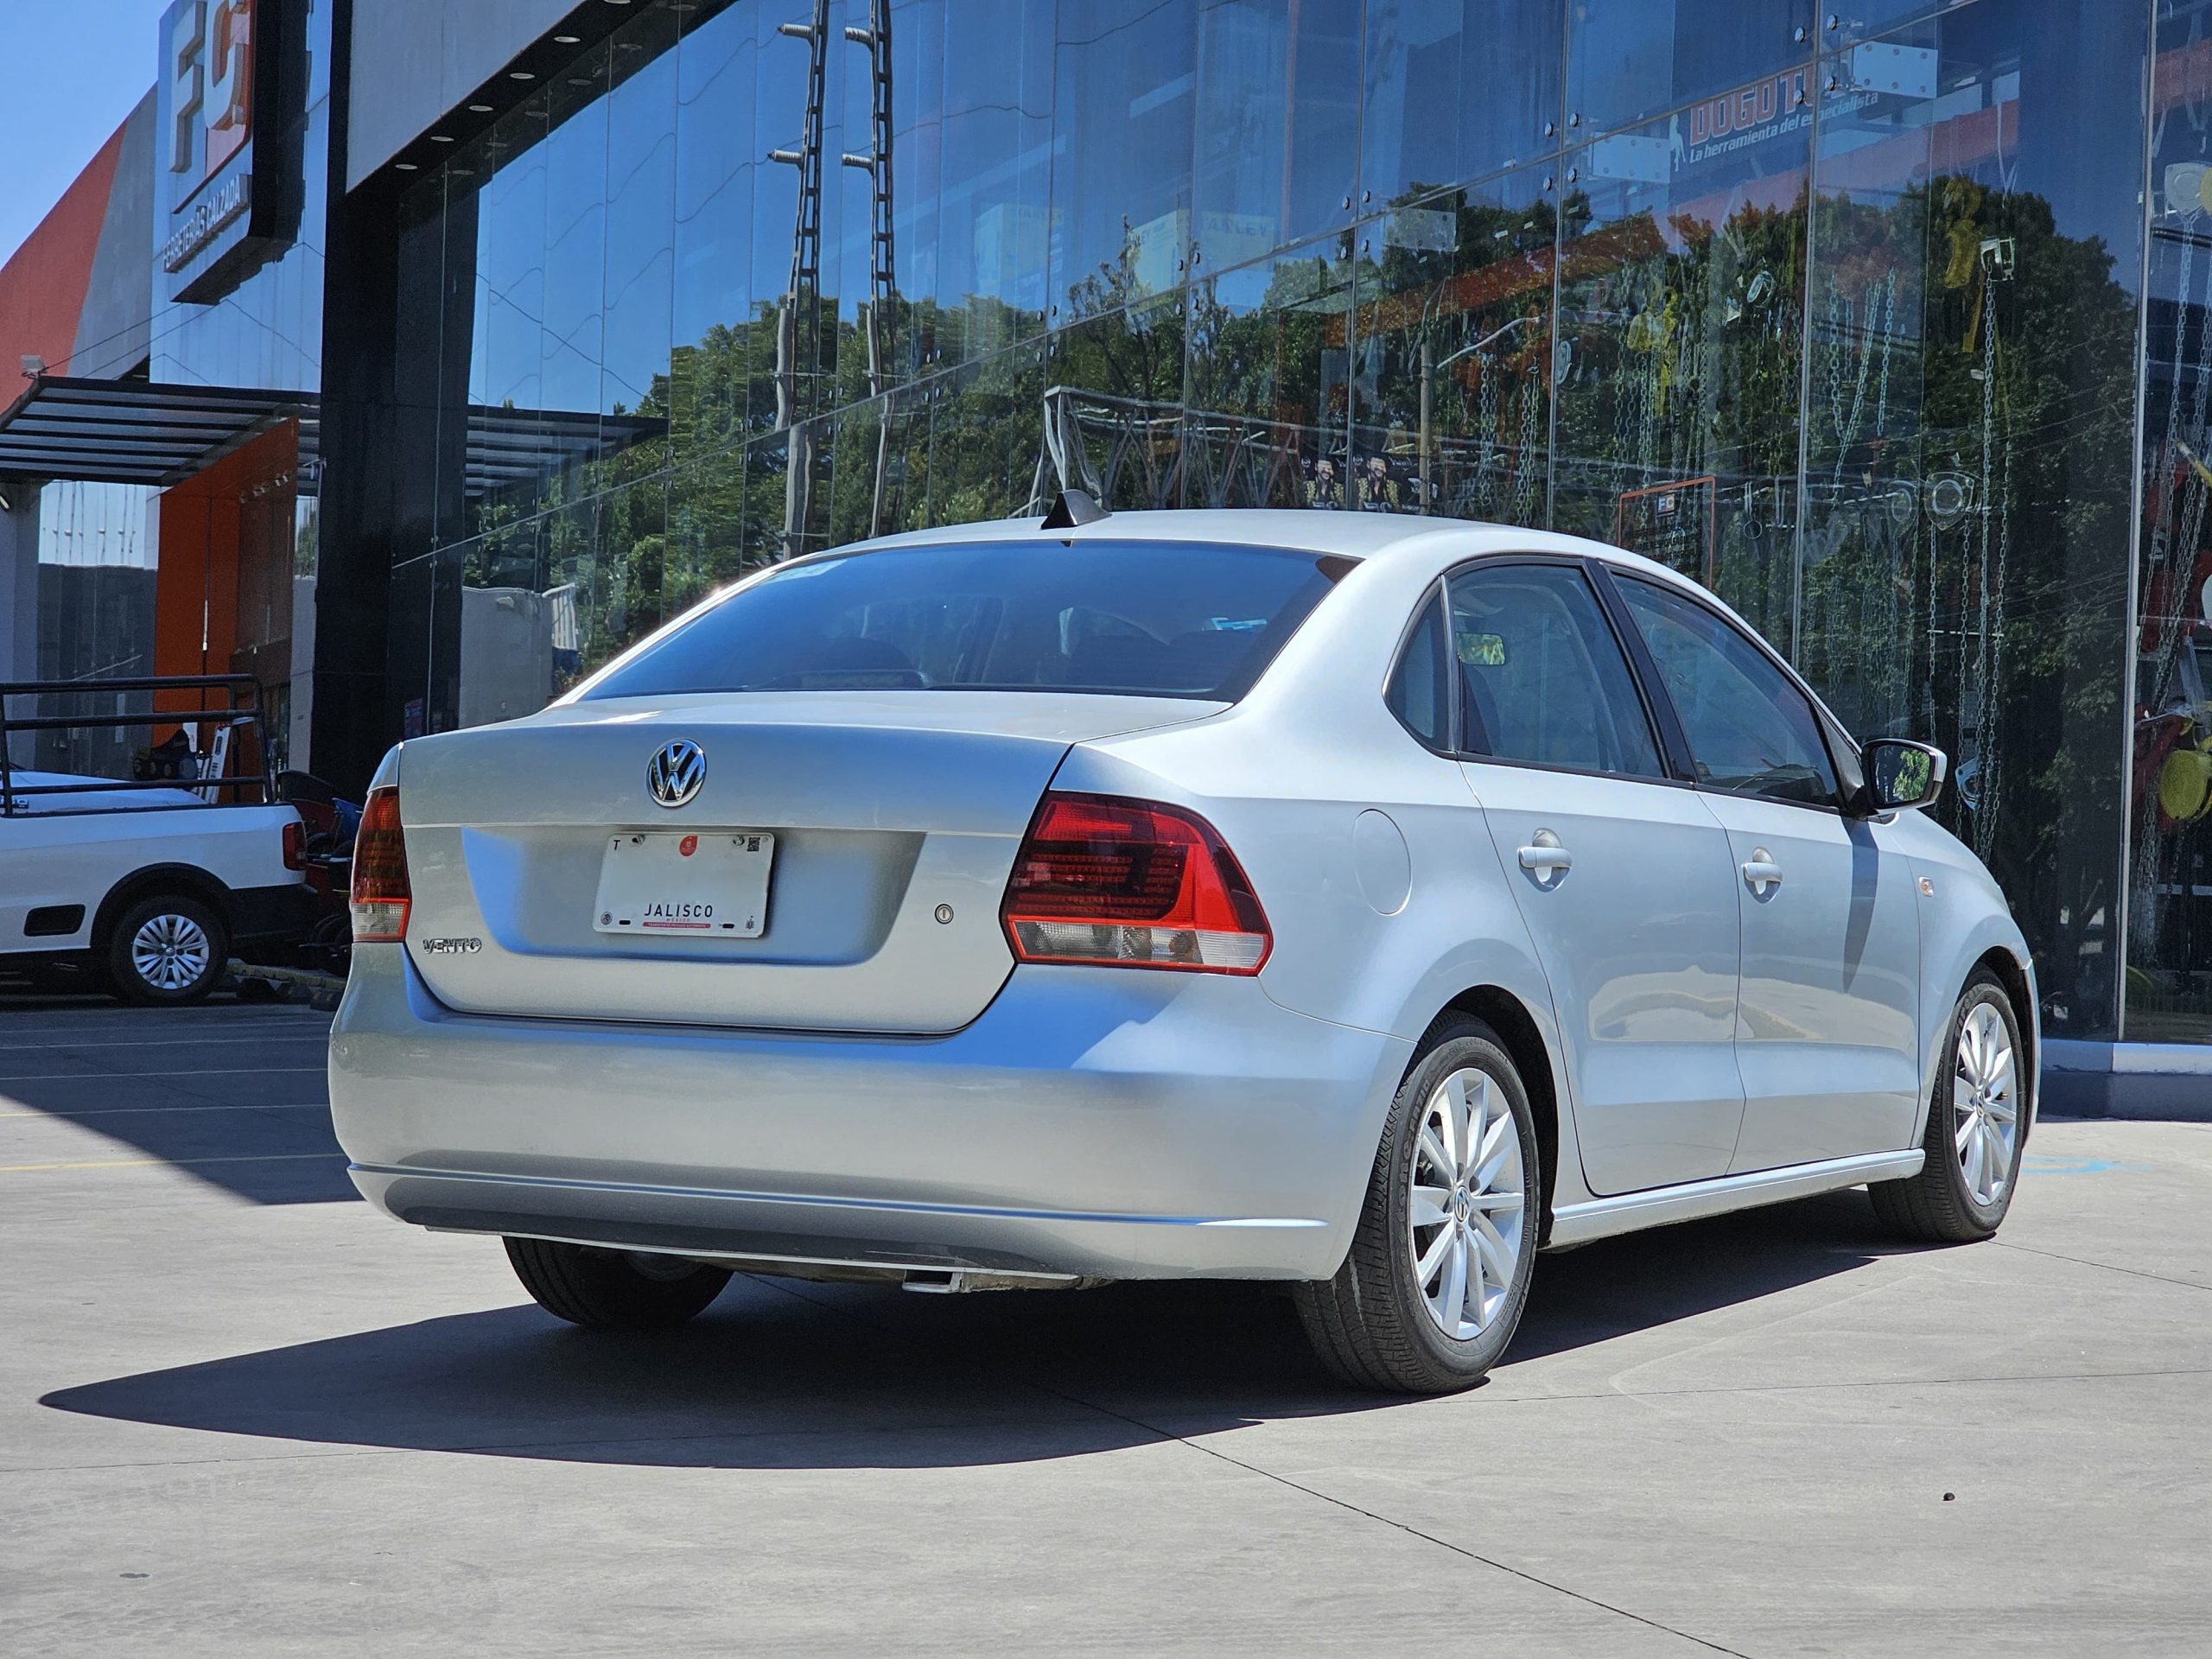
[[1523, 1038], [2020, 993], [188, 880]]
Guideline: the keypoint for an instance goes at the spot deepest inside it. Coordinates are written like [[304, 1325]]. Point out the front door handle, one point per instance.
[[1761, 873], [1545, 860]]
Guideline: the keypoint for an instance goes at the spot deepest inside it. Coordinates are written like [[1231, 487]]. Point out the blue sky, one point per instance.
[[76, 67]]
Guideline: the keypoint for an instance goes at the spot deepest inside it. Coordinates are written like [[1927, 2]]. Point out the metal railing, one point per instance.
[[241, 706]]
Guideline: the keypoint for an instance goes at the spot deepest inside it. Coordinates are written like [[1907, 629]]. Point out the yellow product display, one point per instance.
[[2185, 785]]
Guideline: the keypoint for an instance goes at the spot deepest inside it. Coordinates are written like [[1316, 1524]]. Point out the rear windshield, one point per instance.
[[1154, 618]]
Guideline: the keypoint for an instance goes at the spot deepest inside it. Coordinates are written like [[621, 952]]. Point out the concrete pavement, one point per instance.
[[240, 1413]]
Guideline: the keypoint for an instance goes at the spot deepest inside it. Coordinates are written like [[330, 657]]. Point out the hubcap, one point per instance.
[[170, 952], [1466, 1217], [1985, 1115]]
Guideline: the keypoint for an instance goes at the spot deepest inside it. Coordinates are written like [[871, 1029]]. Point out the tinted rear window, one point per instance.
[[1153, 619]]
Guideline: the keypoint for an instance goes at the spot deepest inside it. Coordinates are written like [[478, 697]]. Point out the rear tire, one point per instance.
[[167, 950], [1438, 1273], [613, 1290], [1976, 1129]]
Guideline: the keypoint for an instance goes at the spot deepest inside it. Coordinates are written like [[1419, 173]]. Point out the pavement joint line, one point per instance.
[[178, 1163], [119, 1077], [204, 1106], [1168, 1436], [2109, 1267]]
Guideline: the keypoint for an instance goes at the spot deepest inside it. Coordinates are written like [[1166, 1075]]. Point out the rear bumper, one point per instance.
[[1095, 1122]]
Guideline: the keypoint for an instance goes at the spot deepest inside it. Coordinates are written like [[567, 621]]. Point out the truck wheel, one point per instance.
[[167, 950]]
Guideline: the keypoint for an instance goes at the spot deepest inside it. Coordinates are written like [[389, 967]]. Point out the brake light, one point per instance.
[[1131, 884], [381, 895], [296, 845]]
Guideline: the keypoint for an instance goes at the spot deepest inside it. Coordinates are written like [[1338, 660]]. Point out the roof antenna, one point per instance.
[[1072, 508]]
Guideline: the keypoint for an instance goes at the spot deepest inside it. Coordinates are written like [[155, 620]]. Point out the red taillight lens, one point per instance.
[[381, 895], [296, 845], [1135, 884]]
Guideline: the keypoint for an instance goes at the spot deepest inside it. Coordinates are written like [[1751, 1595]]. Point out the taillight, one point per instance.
[[1131, 884], [296, 845], [381, 895]]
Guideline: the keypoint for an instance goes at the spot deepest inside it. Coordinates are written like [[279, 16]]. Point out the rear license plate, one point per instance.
[[708, 886]]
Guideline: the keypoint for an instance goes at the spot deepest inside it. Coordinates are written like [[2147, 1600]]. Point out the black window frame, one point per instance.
[[1849, 775]]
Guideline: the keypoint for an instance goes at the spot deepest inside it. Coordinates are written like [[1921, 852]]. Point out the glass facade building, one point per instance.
[[1841, 312], [1889, 321]]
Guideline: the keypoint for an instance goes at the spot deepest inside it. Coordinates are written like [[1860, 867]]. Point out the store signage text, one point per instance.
[[207, 219], [1749, 115]]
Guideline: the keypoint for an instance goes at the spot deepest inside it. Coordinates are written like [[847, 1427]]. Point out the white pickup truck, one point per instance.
[[149, 887]]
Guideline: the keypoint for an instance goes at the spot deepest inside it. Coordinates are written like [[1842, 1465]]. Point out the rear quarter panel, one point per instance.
[[1287, 775]]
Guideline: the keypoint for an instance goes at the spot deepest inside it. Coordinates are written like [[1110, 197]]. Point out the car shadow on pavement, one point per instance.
[[807, 1376]]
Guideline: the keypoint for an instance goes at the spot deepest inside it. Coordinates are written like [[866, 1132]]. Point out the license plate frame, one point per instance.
[[664, 884]]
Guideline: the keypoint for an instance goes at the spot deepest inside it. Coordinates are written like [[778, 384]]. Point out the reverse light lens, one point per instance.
[[1131, 884], [381, 895]]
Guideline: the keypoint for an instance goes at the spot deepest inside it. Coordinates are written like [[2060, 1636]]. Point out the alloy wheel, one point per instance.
[[1466, 1221], [170, 952], [1985, 1110]]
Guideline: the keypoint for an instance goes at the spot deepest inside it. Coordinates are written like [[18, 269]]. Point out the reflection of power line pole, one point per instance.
[[882, 278], [806, 282]]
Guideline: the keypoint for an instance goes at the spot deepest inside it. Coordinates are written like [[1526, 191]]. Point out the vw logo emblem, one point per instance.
[[675, 772]]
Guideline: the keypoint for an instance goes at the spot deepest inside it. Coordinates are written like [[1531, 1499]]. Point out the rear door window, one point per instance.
[[1149, 618], [1543, 676]]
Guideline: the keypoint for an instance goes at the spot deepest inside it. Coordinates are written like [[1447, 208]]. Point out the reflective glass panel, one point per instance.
[[1278, 123], [1968, 442], [2169, 876], [1268, 387], [1456, 89], [1114, 414], [1125, 72], [1680, 345], [1724, 60], [723, 324], [1452, 383]]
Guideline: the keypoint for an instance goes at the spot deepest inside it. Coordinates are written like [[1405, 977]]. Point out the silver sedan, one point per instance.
[[1364, 903]]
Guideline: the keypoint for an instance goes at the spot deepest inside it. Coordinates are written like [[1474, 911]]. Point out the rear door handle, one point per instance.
[[1761, 873], [1545, 861]]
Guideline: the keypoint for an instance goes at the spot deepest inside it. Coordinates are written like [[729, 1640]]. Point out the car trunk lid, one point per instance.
[[889, 822]]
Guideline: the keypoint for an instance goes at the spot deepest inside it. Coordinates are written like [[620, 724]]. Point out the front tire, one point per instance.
[[1438, 1273], [1976, 1129], [613, 1290], [167, 950]]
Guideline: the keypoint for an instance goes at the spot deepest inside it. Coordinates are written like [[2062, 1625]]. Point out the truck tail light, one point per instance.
[[296, 845], [381, 895], [1131, 884]]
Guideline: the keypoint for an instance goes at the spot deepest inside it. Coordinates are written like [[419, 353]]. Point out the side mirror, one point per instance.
[[1901, 775]]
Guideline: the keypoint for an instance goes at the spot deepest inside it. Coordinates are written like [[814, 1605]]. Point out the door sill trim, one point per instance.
[[1578, 1224]]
